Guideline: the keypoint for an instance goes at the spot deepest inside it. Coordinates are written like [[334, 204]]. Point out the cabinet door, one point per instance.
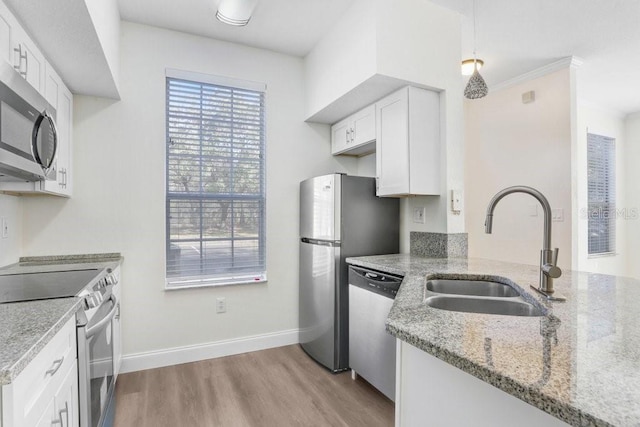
[[340, 134], [32, 62], [424, 142], [61, 99], [48, 418], [66, 400], [392, 144], [364, 126], [117, 342], [65, 118], [7, 27]]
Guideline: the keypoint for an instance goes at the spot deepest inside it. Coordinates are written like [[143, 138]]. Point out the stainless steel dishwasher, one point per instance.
[[372, 351]]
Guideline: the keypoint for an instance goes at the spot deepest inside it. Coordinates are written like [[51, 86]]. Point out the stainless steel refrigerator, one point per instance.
[[340, 217]]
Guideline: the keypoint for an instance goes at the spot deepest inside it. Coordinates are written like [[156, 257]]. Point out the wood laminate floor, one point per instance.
[[276, 387]]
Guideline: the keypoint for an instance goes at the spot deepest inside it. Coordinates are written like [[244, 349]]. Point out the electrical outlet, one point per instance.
[[5, 227], [418, 215], [221, 305]]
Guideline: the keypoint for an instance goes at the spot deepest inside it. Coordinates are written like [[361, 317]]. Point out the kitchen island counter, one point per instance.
[[580, 362]]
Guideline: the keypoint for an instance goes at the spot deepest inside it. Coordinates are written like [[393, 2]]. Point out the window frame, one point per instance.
[[232, 277], [608, 166]]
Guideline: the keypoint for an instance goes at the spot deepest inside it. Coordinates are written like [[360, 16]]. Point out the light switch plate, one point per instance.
[[418, 215], [5, 227], [533, 210], [456, 201], [557, 214]]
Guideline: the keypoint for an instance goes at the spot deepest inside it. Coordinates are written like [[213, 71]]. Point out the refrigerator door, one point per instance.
[[318, 281], [320, 208]]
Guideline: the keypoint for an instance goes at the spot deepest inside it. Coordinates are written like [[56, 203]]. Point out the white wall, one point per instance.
[[106, 20], [419, 42], [632, 179], [119, 205], [511, 143], [11, 247], [593, 119], [414, 42], [343, 58], [366, 165]]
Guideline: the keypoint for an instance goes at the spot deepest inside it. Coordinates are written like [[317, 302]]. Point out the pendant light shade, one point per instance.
[[476, 88], [235, 12]]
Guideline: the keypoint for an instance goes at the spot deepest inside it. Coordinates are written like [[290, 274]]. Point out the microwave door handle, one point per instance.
[[34, 139], [102, 323]]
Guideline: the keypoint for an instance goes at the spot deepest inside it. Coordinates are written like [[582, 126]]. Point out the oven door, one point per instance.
[[96, 364]]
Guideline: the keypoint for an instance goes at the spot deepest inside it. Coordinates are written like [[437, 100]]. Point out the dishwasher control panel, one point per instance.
[[385, 284]]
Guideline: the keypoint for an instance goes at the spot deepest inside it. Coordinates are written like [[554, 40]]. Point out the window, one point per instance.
[[215, 181], [601, 169]]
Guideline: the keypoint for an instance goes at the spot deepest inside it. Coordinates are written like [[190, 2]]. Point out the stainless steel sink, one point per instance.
[[471, 287], [509, 307]]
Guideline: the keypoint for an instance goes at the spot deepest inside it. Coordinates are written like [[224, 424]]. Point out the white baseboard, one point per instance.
[[193, 353]]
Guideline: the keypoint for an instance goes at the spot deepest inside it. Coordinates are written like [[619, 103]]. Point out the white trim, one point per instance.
[[398, 400], [215, 80], [194, 353], [206, 282], [569, 61]]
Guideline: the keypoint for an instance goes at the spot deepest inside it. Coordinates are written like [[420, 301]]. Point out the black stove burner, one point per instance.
[[36, 286]]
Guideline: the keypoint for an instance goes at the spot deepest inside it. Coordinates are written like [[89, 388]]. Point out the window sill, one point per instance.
[[178, 284], [602, 255]]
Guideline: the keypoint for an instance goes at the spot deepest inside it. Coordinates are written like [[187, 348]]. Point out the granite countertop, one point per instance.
[[579, 363], [26, 327]]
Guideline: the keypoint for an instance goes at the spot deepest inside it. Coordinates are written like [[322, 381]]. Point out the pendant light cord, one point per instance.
[[474, 32]]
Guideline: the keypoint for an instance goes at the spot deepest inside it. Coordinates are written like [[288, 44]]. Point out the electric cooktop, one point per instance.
[[36, 286]]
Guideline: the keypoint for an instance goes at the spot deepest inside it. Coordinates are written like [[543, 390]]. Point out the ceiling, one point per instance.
[[513, 36]]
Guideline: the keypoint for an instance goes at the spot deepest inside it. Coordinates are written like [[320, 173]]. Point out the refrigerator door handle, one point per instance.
[[320, 242]]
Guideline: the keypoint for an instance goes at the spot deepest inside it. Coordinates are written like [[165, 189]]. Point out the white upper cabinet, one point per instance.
[[28, 60], [61, 99], [408, 143], [356, 134], [17, 48]]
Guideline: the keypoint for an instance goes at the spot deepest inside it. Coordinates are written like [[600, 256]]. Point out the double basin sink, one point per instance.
[[478, 296]]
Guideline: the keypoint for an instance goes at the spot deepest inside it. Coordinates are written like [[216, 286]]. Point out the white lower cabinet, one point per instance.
[[45, 393], [454, 397], [117, 331], [63, 407]]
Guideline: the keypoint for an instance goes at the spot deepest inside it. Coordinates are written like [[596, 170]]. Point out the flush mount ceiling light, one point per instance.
[[467, 66], [476, 88], [235, 12]]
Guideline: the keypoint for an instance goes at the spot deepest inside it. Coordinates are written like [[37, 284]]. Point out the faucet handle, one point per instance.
[[552, 271], [551, 268]]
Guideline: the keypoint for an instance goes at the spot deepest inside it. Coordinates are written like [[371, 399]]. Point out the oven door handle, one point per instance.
[[98, 326]]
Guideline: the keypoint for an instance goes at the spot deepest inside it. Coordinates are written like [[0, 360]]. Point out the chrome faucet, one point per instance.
[[549, 269]]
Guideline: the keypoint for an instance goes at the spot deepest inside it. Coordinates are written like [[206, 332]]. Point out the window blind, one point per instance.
[[601, 167], [215, 184]]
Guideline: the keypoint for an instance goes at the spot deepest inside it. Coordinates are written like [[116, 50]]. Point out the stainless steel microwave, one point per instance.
[[28, 136]]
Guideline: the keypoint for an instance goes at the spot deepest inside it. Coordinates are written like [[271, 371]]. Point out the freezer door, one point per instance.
[[318, 301], [320, 208]]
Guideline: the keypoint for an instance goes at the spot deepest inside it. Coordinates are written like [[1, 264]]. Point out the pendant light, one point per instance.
[[476, 87], [235, 12]]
